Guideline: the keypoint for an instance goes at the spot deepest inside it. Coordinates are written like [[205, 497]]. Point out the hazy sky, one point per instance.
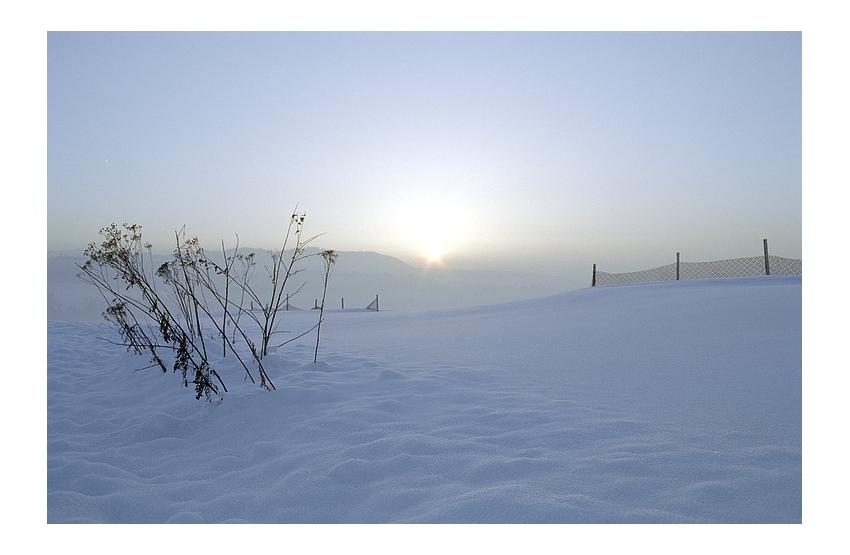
[[537, 151]]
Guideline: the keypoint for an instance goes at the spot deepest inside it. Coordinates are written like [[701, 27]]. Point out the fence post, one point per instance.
[[593, 281], [677, 266], [766, 260], [343, 303]]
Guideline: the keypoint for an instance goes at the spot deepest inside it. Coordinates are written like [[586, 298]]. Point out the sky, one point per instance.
[[542, 152]]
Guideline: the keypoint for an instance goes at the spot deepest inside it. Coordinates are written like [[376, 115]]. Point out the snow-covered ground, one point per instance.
[[671, 402]]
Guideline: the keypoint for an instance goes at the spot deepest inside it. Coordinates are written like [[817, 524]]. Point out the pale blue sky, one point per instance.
[[523, 151]]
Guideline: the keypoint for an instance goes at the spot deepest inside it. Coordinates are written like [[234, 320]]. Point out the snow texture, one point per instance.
[[652, 403]]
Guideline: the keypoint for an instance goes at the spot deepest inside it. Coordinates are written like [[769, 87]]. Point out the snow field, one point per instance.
[[662, 403]]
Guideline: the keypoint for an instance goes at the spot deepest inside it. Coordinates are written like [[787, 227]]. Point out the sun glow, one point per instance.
[[434, 227], [434, 255]]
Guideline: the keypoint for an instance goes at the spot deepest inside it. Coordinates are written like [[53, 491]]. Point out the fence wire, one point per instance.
[[731, 267]]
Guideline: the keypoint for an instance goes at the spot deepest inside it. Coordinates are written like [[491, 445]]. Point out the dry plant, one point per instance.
[[171, 308]]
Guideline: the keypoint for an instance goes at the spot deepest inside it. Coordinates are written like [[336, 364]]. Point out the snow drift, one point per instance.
[[667, 402]]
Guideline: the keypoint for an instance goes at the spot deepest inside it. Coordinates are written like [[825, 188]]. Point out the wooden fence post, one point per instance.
[[593, 281], [766, 260], [677, 266]]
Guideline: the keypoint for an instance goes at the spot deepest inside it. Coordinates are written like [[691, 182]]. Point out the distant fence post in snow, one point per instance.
[[732, 267], [766, 260]]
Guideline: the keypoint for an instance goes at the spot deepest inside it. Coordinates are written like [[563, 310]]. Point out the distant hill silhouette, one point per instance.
[[358, 277]]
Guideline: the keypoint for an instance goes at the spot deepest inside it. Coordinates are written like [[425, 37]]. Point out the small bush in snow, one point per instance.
[[172, 309]]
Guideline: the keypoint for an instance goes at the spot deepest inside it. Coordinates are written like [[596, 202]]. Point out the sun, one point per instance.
[[434, 255], [433, 227]]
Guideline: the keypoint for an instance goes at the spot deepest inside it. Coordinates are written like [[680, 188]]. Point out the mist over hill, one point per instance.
[[358, 277]]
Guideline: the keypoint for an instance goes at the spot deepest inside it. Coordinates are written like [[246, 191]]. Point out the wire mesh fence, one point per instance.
[[730, 267]]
